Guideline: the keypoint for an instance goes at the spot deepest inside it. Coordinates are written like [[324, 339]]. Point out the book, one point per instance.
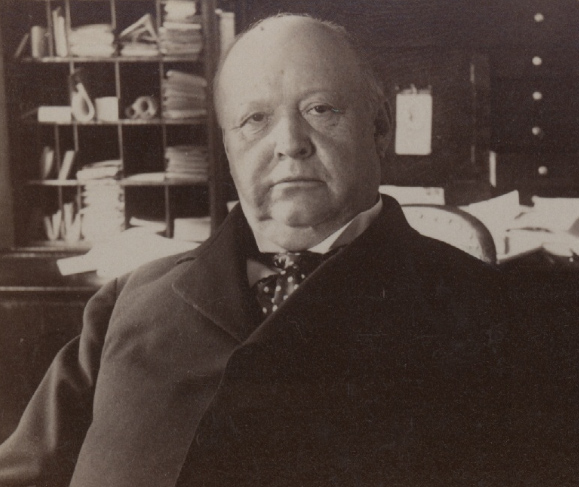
[[66, 166], [52, 224], [46, 162], [54, 114], [21, 46]]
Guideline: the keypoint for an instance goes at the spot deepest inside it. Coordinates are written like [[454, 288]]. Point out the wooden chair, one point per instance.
[[453, 226]]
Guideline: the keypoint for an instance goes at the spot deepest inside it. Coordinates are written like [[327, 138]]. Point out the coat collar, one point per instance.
[[214, 276]]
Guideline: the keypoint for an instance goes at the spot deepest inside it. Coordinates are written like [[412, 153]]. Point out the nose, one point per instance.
[[291, 138]]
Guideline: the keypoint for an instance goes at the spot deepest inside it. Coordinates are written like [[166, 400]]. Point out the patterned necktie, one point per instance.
[[272, 291]]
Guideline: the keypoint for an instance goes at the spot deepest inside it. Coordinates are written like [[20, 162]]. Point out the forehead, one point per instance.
[[288, 55]]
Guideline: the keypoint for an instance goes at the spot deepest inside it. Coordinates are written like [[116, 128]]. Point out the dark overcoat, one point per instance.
[[390, 365]]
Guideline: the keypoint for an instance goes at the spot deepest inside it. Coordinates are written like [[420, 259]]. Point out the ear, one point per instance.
[[224, 143], [383, 128]]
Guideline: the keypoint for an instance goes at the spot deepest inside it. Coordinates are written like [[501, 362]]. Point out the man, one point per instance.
[[386, 365]]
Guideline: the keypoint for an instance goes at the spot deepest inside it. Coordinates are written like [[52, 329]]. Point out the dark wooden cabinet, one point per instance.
[[40, 311], [32, 330], [534, 103], [504, 79]]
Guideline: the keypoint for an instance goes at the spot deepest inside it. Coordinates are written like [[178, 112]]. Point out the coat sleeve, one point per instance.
[[43, 449]]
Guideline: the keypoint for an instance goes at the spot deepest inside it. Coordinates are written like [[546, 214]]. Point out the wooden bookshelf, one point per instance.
[[139, 144]]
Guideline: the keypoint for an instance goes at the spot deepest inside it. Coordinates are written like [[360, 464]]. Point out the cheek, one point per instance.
[[248, 166], [350, 158]]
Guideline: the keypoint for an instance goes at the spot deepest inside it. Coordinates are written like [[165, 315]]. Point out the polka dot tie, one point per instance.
[[273, 290]]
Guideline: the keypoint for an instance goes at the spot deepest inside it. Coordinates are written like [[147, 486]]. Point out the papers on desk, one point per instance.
[[192, 229], [123, 253], [552, 221], [551, 224], [498, 215], [408, 195]]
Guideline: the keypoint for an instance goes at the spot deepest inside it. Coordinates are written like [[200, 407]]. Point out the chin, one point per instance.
[[300, 215]]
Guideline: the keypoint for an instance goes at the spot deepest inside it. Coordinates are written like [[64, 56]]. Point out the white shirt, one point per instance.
[[343, 236]]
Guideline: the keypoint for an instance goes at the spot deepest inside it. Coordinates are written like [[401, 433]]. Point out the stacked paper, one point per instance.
[[140, 38], [94, 40], [184, 95], [411, 195], [192, 229], [103, 212], [181, 33], [551, 224], [189, 162], [122, 253], [148, 225], [100, 170]]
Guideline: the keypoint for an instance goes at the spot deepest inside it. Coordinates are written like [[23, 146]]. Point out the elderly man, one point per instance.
[[314, 340]]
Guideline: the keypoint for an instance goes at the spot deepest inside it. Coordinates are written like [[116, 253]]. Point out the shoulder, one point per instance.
[[452, 270]]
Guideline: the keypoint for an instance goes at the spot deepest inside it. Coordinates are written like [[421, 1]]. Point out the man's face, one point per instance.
[[298, 133]]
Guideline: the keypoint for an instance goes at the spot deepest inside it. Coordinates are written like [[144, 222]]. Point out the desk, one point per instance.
[[34, 273], [40, 311]]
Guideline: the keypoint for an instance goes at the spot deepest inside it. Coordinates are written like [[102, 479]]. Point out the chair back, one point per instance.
[[453, 226]]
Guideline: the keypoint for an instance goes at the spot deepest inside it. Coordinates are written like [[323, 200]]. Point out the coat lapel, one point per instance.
[[214, 278], [375, 269]]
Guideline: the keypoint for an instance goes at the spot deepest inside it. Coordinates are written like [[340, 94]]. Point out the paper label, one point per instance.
[[413, 124]]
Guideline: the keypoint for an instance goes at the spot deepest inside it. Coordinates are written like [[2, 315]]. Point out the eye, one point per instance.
[[321, 109], [324, 109], [255, 118]]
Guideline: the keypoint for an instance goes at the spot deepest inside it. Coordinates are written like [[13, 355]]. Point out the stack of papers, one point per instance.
[[147, 177], [411, 195], [147, 225], [110, 169], [189, 162], [94, 40], [183, 95], [103, 207], [140, 38], [192, 229], [123, 253], [181, 33], [551, 224]]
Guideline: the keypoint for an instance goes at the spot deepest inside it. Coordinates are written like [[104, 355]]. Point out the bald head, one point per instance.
[[273, 38]]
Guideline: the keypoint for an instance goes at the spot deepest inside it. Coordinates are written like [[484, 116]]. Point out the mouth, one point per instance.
[[299, 181]]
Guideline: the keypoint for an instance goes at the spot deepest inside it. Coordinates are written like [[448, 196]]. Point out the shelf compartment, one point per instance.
[[112, 59], [166, 182], [122, 182]]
